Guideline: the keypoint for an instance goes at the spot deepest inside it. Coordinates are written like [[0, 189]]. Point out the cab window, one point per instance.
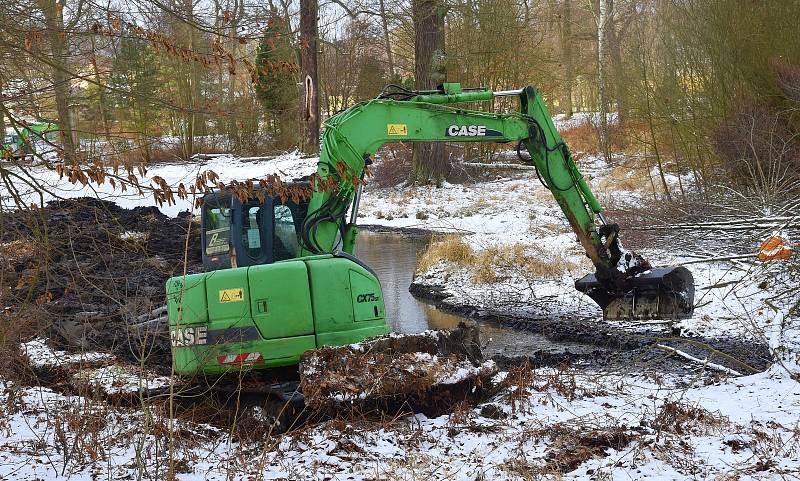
[[251, 230], [284, 243]]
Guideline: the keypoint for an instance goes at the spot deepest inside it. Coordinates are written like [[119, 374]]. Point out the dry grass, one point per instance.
[[154, 153], [17, 252], [495, 263], [681, 418], [484, 271], [394, 166], [450, 248], [515, 258], [584, 138], [475, 207], [630, 176], [406, 198]]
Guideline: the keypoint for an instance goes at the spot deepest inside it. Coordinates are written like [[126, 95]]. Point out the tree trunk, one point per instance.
[[187, 78], [429, 160], [309, 107], [652, 130], [386, 41], [615, 34], [57, 37], [101, 93], [566, 54], [196, 122], [2, 119], [601, 79], [620, 92]]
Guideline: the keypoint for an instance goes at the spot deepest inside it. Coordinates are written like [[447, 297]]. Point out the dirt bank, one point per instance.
[[598, 344]]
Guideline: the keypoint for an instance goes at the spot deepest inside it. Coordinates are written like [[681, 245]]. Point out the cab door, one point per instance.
[[251, 231]]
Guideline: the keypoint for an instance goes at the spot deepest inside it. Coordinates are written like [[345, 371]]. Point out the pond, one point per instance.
[[393, 257]]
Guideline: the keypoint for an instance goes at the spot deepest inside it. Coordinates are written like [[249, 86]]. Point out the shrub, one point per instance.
[[760, 152], [450, 248], [393, 165], [514, 259]]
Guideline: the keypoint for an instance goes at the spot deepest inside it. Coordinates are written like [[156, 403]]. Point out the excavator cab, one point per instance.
[[242, 234]]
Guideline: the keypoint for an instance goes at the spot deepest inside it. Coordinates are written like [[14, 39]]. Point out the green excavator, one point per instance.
[[282, 276]]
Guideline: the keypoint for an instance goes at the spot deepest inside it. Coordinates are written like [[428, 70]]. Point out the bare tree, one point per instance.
[[566, 40], [53, 11], [384, 16], [602, 100]]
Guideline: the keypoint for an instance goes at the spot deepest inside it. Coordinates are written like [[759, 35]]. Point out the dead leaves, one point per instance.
[[219, 55]]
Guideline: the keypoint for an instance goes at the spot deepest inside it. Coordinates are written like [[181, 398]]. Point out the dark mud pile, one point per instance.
[[601, 345], [81, 271]]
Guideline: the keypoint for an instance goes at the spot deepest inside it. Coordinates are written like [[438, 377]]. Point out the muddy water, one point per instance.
[[393, 257]]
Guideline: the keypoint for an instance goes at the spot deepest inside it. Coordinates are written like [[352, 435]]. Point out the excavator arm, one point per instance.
[[624, 284]]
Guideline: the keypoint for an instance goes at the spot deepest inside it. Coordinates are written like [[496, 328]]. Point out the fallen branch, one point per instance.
[[715, 259], [704, 362], [712, 227], [155, 313], [497, 165]]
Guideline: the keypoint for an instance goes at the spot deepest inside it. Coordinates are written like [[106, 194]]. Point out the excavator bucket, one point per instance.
[[660, 293]]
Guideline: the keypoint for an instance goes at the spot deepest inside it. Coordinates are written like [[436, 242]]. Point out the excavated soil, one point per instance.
[[429, 372], [82, 271], [597, 344]]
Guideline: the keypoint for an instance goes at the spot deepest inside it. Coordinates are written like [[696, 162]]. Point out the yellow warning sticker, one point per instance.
[[231, 295], [397, 129]]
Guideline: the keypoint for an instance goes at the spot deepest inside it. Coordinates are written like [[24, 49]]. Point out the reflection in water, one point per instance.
[[394, 257]]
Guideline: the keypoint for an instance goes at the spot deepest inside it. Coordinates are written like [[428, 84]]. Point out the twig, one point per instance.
[[497, 165], [715, 259], [704, 362]]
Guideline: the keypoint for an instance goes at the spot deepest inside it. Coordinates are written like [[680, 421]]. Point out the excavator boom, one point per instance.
[[623, 285]]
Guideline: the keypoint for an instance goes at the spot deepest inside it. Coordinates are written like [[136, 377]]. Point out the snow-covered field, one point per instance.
[[288, 166], [541, 424]]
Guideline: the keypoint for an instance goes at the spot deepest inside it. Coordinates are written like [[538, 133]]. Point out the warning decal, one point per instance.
[[217, 241], [231, 295], [397, 129]]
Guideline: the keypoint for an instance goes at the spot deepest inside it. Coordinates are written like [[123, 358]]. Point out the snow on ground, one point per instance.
[[542, 424], [288, 166], [40, 355], [96, 370], [580, 118]]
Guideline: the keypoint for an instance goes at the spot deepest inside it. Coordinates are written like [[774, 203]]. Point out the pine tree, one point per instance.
[[276, 85], [136, 79], [275, 63]]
